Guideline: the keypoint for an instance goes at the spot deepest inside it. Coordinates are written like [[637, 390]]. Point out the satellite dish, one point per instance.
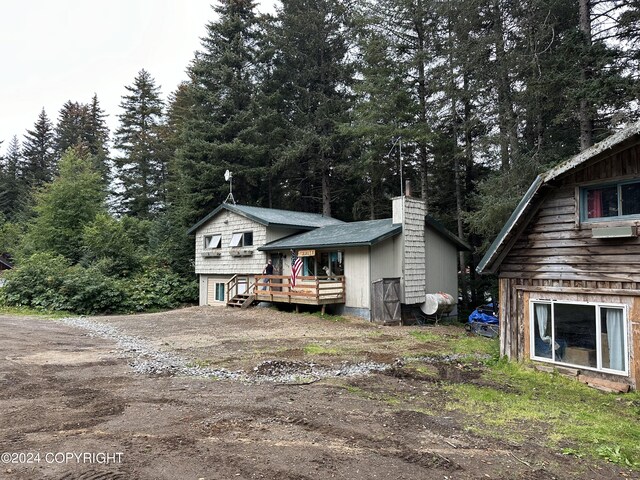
[[227, 176]]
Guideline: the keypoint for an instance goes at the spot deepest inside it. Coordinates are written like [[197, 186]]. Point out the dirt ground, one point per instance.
[[63, 391]]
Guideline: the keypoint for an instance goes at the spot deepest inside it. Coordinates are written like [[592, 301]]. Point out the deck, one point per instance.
[[309, 290]]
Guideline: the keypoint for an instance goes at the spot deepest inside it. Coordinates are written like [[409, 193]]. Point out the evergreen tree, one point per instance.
[[141, 168], [83, 125], [39, 152], [312, 65], [217, 133], [71, 126], [12, 185], [96, 137]]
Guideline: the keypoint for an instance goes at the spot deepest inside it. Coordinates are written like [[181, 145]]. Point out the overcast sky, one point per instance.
[[54, 51]]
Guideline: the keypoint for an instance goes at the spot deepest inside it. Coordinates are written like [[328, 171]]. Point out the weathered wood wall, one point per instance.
[[555, 255]]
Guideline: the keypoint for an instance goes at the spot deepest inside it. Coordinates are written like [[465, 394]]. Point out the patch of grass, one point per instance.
[[331, 318], [591, 422], [474, 344], [459, 342], [425, 336], [315, 349], [24, 311]]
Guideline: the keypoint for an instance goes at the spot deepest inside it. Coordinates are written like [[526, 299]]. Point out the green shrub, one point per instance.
[[157, 289], [87, 291], [36, 283], [47, 282]]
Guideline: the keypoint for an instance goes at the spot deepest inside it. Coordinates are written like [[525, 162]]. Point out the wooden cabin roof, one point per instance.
[[532, 199]]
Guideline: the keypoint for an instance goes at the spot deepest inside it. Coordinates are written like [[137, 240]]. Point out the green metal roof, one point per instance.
[[496, 252], [354, 234], [272, 217], [438, 227]]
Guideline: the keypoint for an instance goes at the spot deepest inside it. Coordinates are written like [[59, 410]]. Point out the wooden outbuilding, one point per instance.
[[568, 262]]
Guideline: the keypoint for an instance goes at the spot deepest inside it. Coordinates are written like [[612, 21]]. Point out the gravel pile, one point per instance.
[[288, 372], [453, 358], [145, 358]]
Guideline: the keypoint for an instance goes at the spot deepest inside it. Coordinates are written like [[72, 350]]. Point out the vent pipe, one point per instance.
[[407, 188]]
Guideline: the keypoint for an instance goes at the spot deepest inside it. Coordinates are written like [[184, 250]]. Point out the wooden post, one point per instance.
[[322, 310]]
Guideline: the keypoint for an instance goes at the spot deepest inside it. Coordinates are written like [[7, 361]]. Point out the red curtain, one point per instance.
[[594, 204]]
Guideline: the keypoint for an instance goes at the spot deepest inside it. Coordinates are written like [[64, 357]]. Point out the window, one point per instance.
[[592, 336], [241, 239], [212, 241], [220, 292], [618, 200], [331, 263]]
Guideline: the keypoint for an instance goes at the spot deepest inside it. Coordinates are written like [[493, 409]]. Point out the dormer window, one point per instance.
[[241, 239], [613, 201], [212, 241]]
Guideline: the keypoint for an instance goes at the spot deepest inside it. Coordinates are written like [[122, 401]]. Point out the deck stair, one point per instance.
[[242, 300]]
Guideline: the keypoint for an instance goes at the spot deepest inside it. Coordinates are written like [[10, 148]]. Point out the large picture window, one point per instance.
[[611, 201], [592, 336]]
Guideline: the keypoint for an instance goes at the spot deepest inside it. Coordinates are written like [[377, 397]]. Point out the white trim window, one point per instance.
[[241, 239], [219, 292], [212, 241], [586, 335]]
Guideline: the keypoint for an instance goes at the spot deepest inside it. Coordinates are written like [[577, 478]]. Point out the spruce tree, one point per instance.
[[312, 65], [141, 165], [83, 125], [217, 133], [12, 185], [39, 152]]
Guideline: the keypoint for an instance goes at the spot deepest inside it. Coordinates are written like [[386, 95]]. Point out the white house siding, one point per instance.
[[208, 288], [441, 264], [386, 259], [357, 277], [226, 223]]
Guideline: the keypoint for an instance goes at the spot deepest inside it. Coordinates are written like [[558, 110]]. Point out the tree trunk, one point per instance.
[[326, 193], [422, 98], [506, 116], [586, 122]]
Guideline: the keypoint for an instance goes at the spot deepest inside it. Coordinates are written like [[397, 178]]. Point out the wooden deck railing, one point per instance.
[[309, 289], [234, 282]]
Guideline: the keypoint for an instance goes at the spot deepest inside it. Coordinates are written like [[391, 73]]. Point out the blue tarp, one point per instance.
[[483, 314]]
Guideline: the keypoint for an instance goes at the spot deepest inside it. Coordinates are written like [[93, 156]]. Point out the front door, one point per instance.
[[277, 262]]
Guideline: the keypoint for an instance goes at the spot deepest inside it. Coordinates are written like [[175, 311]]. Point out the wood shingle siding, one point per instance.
[[414, 279], [227, 223]]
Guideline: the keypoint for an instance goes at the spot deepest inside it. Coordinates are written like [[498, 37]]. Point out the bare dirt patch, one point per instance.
[[378, 425]]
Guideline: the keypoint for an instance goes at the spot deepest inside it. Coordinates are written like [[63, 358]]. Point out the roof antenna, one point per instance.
[[398, 141], [228, 177]]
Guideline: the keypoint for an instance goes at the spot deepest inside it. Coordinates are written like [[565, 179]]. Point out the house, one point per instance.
[[5, 264], [568, 263], [339, 262]]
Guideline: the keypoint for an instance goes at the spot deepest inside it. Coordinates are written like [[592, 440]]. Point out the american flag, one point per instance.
[[296, 267]]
